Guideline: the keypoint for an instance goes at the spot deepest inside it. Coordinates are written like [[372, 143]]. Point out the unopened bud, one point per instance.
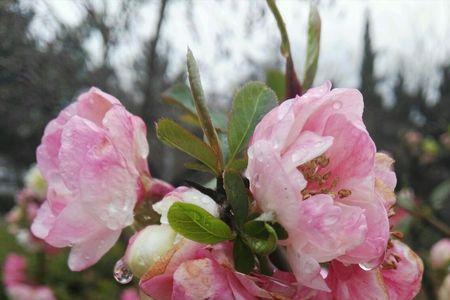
[[147, 246]]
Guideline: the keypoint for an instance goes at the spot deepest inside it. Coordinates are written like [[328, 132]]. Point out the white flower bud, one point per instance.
[[148, 246], [187, 195], [35, 182]]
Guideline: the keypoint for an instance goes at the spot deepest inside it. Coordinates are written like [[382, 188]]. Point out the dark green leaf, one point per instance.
[[198, 167], [180, 96], [250, 104], [276, 81], [236, 195], [238, 165], [195, 223], [313, 47], [260, 237], [244, 261], [200, 106], [176, 136]]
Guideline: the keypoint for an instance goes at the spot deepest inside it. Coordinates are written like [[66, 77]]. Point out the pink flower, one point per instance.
[[194, 271], [14, 270], [27, 292], [94, 159], [440, 253], [313, 164], [399, 278], [129, 294], [17, 284]]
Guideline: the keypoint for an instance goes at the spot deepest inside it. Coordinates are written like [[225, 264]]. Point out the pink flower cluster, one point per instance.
[[17, 285], [311, 165]]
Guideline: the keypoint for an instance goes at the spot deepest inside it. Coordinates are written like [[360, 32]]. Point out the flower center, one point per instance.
[[320, 181]]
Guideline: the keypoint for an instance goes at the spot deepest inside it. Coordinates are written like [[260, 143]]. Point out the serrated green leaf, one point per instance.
[[176, 136], [313, 47], [276, 81], [244, 261], [260, 237], [250, 104], [196, 224], [236, 195], [180, 96]]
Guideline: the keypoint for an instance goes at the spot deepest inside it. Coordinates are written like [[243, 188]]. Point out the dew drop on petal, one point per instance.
[[366, 267], [121, 273], [337, 104]]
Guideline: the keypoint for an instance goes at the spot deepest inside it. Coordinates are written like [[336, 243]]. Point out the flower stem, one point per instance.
[[427, 216]]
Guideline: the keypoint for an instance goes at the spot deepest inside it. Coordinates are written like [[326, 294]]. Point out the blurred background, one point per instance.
[[396, 52]]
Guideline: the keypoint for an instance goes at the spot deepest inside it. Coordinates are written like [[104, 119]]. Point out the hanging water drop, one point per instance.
[[366, 267], [121, 273]]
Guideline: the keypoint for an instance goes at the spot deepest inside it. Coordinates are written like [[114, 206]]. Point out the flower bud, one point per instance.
[[188, 195], [440, 254], [444, 290], [147, 246], [35, 182]]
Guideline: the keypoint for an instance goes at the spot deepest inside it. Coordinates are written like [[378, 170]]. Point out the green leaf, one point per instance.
[[293, 85], [180, 96], [282, 234], [244, 261], [440, 195], [276, 81], [238, 165], [192, 165], [260, 237], [250, 104], [200, 106], [313, 47], [176, 136], [196, 224], [236, 195]]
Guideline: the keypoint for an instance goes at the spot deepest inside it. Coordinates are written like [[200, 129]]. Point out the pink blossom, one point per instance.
[[440, 253], [14, 270], [27, 292], [17, 284], [399, 278], [313, 163], [129, 294], [94, 159], [194, 271]]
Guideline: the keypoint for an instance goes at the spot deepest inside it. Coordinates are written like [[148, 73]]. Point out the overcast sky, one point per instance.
[[411, 36]]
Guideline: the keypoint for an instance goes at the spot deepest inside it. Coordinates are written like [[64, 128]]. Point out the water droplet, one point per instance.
[[337, 104], [121, 273], [366, 267]]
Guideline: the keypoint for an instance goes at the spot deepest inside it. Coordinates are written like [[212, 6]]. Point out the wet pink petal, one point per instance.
[[312, 163], [94, 159]]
